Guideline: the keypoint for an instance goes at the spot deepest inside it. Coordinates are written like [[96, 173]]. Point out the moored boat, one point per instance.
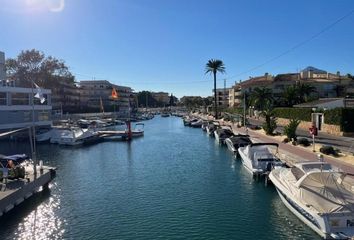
[[320, 196], [211, 127], [237, 141], [258, 159], [222, 133], [196, 123]]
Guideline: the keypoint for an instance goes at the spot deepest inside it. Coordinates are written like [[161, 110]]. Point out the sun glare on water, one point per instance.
[[51, 5]]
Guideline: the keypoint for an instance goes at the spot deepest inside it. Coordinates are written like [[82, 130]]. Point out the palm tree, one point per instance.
[[213, 66], [290, 96], [304, 91], [261, 97]]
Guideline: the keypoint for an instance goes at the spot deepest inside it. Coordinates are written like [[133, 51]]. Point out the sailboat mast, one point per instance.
[[33, 143]]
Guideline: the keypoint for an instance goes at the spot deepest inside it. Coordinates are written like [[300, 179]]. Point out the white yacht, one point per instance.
[[237, 141], [258, 159], [77, 136], [322, 197], [222, 133]]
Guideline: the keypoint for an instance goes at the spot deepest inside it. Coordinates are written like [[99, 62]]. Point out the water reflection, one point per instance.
[[36, 218]]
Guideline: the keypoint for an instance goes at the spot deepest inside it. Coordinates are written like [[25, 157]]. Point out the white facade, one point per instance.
[[16, 108]]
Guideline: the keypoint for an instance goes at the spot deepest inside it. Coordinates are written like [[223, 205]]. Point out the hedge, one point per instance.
[[337, 116], [303, 114], [347, 123], [333, 116]]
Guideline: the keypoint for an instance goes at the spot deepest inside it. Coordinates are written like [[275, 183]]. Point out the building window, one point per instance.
[[20, 99], [27, 116], [43, 116], [2, 98]]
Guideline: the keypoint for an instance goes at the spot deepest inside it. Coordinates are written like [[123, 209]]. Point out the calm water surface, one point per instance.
[[173, 183]]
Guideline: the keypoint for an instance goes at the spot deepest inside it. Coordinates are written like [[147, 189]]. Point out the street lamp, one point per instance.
[[244, 108]]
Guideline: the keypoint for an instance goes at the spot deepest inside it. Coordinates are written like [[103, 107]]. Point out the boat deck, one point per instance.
[[14, 192]]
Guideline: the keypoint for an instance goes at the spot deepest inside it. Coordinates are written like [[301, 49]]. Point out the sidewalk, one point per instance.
[[292, 154], [345, 144]]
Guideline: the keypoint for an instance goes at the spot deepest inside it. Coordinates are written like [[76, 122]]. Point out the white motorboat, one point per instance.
[[44, 134], [211, 127], [77, 136], [197, 123], [138, 130], [258, 159], [204, 125], [322, 197], [234, 142], [222, 133]]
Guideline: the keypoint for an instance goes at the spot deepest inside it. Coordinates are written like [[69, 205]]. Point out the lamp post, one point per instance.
[[244, 109], [313, 130]]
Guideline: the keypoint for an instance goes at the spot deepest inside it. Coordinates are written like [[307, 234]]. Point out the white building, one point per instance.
[[16, 109]]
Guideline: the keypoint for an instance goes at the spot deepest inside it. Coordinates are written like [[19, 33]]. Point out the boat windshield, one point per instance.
[[316, 166]]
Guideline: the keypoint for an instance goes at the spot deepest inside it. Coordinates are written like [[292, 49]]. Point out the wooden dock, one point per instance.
[[14, 192]]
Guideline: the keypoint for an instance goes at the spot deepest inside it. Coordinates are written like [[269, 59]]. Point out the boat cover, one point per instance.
[[327, 192], [240, 140], [258, 152]]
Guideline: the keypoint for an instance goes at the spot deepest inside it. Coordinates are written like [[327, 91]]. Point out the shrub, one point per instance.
[[290, 129], [328, 150], [304, 142], [270, 125]]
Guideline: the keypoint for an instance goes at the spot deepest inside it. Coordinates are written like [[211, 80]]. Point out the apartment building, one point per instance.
[[162, 97], [92, 92], [327, 85], [222, 97]]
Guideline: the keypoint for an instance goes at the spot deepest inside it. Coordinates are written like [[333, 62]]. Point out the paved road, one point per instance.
[[343, 143]]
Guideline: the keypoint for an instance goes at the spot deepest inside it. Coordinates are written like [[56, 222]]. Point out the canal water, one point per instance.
[[173, 183]]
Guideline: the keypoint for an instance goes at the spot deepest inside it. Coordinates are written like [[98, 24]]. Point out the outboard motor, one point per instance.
[[269, 166]]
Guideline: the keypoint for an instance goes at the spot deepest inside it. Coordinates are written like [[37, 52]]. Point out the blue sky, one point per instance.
[[163, 45]]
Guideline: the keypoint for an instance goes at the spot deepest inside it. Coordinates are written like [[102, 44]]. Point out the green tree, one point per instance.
[[290, 96], [214, 66], [340, 90], [270, 123], [304, 91], [290, 129], [145, 99], [33, 65], [261, 98]]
